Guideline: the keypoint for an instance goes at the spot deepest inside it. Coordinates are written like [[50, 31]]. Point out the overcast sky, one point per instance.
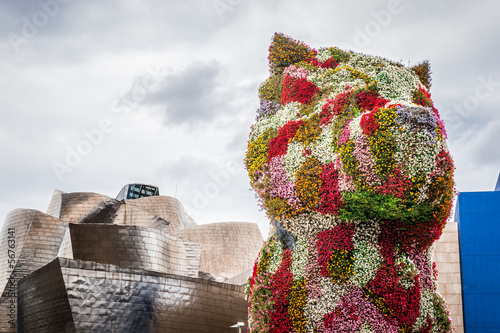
[[98, 94]]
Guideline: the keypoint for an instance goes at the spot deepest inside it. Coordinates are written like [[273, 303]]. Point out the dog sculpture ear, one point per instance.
[[285, 51], [423, 71]]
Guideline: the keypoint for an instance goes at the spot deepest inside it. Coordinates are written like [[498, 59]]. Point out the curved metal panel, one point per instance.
[[30, 239], [228, 248]]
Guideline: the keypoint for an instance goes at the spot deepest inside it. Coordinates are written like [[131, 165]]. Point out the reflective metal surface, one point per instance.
[[228, 248], [29, 240], [96, 264], [135, 247], [77, 296]]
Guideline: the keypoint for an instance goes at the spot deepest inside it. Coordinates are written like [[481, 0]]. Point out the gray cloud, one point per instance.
[[77, 30], [66, 76], [195, 96], [192, 96]]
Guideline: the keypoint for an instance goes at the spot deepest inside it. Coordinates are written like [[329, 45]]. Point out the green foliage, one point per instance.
[[382, 146], [285, 51], [340, 121], [364, 206], [421, 98], [256, 156], [423, 71], [442, 314], [338, 55], [271, 88], [349, 162], [308, 183]]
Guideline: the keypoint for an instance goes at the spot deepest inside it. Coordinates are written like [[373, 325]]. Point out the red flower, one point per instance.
[[297, 90], [403, 305], [279, 145], [369, 123], [328, 63], [314, 61], [254, 274], [396, 185], [281, 284], [444, 161], [334, 107], [328, 241], [346, 312], [370, 100], [423, 97], [330, 200]]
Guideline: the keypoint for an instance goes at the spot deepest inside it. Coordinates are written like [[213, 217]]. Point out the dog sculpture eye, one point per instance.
[[349, 160]]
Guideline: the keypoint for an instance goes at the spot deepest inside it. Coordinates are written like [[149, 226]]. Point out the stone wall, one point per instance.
[[447, 258]]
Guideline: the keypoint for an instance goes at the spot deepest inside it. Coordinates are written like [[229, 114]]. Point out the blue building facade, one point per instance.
[[478, 217]]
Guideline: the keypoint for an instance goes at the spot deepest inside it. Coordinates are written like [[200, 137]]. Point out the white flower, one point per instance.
[[355, 128], [323, 54], [365, 328], [426, 309], [334, 80], [332, 295], [322, 148], [284, 115], [407, 270], [367, 260], [395, 83], [310, 223], [275, 261], [416, 156], [294, 159], [300, 257]]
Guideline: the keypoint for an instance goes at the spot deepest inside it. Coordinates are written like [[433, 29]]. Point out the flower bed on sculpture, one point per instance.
[[349, 160]]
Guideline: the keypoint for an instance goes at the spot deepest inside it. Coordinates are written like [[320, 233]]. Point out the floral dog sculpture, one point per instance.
[[348, 158]]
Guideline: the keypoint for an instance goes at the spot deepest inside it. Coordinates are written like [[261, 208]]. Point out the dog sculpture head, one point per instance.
[[342, 136]]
